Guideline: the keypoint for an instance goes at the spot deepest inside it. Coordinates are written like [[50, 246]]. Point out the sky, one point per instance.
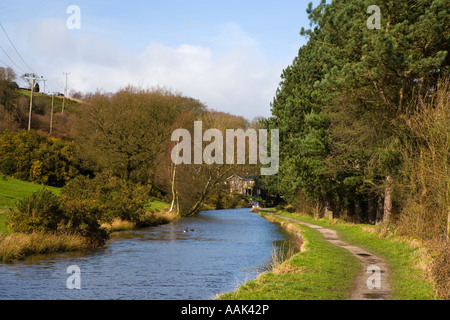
[[227, 54]]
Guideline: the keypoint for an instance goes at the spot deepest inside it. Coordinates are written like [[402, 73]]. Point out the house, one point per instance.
[[245, 185]]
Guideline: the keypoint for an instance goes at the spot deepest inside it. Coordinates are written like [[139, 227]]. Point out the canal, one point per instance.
[[193, 259]]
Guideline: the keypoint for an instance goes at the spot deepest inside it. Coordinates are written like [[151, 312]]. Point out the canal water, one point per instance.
[[222, 250]]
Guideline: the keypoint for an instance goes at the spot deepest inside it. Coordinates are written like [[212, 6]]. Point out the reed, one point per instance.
[[16, 246], [118, 225], [150, 219], [278, 263]]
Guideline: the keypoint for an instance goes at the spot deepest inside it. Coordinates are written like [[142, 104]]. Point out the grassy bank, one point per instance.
[[321, 271], [325, 272]]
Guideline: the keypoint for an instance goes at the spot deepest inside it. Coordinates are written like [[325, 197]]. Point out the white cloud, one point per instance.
[[230, 74]]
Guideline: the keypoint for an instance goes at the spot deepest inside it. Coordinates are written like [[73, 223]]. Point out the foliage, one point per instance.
[[44, 212], [189, 186], [33, 157], [40, 212], [111, 197], [426, 170], [82, 217], [340, 100], [123, 134]]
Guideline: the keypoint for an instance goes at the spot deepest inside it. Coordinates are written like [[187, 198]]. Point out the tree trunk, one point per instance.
[[196, 207], [174, 193], [358, 218], [328, 213], [379, 210], [387, 217], [371, 210]]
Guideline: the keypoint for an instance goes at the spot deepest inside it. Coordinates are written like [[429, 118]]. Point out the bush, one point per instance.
[[40, 212], [82, 217], [290, 209], [440, 268], [113, 197], [44, 212], [33, 157]]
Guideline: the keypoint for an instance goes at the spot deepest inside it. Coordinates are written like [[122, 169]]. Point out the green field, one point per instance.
[[13, 190], [157, 205]]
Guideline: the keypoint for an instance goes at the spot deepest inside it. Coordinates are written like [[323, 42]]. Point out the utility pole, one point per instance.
[[32, 77], [51, 114], [44, 81], [65, 93]]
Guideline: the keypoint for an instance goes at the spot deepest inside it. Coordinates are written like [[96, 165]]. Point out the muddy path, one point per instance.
[[372, 282]]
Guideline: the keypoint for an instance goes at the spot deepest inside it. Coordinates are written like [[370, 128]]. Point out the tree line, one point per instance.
[[111, 155], [363, 116]]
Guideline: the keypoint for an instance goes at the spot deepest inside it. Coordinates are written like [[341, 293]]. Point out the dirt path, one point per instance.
[[371, 264]]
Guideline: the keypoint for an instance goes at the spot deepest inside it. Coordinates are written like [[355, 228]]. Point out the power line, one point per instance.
[[24, 62], [12, 60], [17, 51], [2, 62]]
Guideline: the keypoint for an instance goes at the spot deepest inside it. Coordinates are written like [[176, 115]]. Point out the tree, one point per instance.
[[8, 94], [190, 184], [340, 100], [124, 133]]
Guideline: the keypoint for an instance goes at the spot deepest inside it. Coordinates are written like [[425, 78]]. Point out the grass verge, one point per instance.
[[321, 271]]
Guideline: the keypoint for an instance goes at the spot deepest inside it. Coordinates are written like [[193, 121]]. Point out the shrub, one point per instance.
[[44, 212], [113, 197], [40, 212], [33, 157], [440, 268], [82, 217]]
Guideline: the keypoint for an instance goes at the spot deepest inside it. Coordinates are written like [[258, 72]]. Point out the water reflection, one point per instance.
[[225, 249]]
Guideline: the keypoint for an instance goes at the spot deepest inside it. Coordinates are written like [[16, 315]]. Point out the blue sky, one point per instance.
[[227, 54]]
